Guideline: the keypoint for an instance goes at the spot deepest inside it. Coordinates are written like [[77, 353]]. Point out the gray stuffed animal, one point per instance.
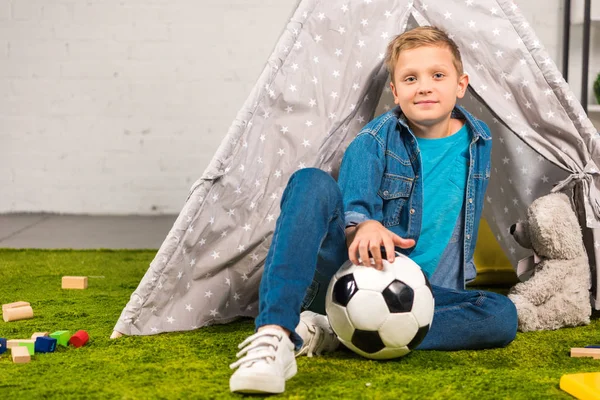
[[557, 294]]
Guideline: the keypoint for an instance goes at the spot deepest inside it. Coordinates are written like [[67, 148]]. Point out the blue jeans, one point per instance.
[[309, 246]]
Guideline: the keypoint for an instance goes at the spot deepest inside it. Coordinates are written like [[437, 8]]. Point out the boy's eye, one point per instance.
[[410, 79], [438, 75]]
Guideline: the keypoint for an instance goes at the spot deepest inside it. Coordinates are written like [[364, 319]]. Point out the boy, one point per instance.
[[413, 180]]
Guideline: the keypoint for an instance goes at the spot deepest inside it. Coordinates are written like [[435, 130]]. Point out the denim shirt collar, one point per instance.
[[459, 113]]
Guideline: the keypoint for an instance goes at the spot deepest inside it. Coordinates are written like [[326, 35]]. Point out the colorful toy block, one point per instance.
[[20, 355], [79, 338], [585, 352], [17, 342], [30, 346], [14, 305], [39, 334], [74, 282], [582, 386], [3, 346], [62, 337], [45, 344], [17, 313]]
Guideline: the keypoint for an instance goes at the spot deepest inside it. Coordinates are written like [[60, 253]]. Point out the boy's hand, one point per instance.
[[371, 236]]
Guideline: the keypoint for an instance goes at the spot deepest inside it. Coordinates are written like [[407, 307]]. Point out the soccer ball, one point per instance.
[[380, 314]]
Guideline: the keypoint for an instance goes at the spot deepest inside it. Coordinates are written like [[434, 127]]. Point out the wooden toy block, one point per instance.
[[20, 355], [45, 344], [582, 386], [17, 342], [14, 305], [74, 282], [3, 346], [17, 313], [62, 337], [585, 352], [79, 338], [30, 346], [39, 334]]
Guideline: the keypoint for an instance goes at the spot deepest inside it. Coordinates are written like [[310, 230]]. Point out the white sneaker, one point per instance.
[[315, 331], [267, 362]]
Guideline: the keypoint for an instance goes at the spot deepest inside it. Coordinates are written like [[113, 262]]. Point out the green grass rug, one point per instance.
[[195, 365]]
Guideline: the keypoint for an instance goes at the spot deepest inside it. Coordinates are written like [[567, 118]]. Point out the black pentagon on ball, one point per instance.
[[368, 341], [421, 333], [344, 289], [398, 296]]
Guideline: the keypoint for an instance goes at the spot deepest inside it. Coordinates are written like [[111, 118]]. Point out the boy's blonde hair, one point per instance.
[[419, 37]]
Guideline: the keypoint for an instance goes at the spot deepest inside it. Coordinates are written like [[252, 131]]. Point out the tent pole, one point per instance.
[[586, 54], [566, 39]]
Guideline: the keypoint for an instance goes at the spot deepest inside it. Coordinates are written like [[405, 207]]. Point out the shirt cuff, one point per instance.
[[354, 218]]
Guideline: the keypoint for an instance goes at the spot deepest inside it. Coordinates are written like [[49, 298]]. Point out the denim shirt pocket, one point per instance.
[[395, 191]]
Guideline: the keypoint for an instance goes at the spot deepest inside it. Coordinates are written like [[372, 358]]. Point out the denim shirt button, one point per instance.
[[412, 210], [471, 201], [386, 192], [468, 236]]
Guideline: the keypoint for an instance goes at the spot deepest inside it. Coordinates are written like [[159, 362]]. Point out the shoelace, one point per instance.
[[263, 346]]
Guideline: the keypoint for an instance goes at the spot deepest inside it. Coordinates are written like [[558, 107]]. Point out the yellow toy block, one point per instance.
[[39, 334], [585, 386], [74, 282], [14, 305], [20, 355]]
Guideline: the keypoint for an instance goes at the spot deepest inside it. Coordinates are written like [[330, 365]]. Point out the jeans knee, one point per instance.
[[506, 315], [312, 176], [316, 182]]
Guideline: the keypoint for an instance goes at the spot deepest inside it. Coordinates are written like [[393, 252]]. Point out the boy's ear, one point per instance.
[[394, 93], [463, 83]]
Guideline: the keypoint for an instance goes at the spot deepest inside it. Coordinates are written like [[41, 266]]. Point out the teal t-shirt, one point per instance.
[[445, 170]]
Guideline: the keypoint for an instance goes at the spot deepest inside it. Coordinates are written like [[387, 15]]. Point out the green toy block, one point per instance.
[[62, 337], [30, 347]]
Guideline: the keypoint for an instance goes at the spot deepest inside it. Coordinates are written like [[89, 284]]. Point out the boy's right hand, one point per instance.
[[370, 236]]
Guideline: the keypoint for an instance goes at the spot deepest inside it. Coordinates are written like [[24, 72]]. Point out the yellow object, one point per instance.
[[584, 386], [493, 267], [74, 282]]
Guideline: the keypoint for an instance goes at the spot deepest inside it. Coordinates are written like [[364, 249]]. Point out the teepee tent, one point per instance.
[[322, 84]]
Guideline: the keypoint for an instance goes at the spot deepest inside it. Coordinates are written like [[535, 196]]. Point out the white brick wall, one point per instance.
[[116, 107]]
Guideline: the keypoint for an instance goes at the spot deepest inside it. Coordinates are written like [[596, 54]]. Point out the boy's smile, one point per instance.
[[426, 88]]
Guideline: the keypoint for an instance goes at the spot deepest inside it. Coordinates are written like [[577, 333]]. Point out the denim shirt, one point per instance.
[[381, 179]]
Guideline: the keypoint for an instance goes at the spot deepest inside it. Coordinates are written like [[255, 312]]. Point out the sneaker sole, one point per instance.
[[261, 383]]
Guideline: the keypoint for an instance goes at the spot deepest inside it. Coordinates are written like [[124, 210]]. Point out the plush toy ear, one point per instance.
[[520, 232]]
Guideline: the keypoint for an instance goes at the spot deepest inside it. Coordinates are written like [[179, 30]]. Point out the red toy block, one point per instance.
[[79, 338]]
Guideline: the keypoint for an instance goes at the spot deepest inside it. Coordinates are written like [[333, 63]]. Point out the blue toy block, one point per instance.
[[593, 346], [45, 344], [2, 345]]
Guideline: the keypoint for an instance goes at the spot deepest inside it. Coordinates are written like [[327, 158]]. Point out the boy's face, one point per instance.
[[427, 84]]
